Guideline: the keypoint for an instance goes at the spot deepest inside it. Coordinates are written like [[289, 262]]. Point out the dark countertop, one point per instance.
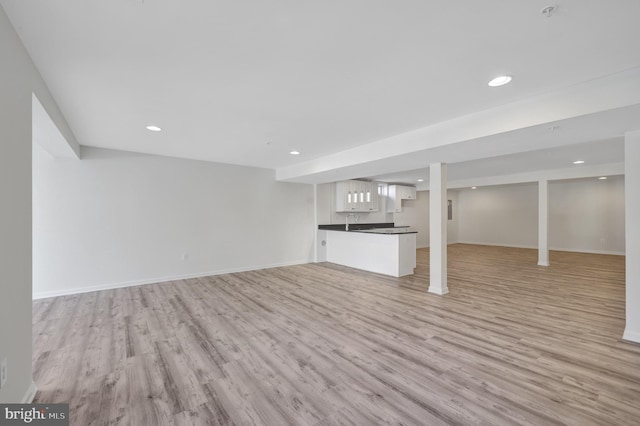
[[371, 228], [356, 226]]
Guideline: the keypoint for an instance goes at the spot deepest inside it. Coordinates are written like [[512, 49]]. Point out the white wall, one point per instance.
[[587, 215], [325, 203], [584, 215], [19, 80], [116, 218], [501, 215]]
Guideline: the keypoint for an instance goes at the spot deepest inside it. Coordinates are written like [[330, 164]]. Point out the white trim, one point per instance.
[[497, 245], [632, 336], [616, 253], [110, 286], [31, 393]]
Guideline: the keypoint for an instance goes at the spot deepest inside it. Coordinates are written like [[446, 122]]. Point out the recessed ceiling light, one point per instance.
[[474, 187], [420, 180], [578, 162], [294, 153], [153, 128], [500, 81], [602, 177]]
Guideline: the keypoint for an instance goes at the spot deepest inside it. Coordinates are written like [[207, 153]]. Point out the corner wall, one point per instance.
[[116, 218]]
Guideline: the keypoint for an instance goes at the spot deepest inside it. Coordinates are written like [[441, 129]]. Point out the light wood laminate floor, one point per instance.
[[321, 344]]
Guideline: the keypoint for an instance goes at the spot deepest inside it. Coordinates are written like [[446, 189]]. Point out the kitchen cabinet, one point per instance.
[[406, 192], [397, 193], [356, 196]]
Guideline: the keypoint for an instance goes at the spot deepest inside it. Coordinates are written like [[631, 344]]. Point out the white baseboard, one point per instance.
[[111, 286], [31, 393], [496, 245], [616, 253], [438, 291], [632, 336]]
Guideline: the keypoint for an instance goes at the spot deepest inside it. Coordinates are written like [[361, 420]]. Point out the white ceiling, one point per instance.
[[225, 78]]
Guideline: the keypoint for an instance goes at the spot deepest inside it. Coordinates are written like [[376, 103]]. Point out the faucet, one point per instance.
[[355, 217]]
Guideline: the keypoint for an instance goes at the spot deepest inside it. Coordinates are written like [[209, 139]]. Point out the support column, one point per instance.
[[632, 234], [438, 229], [543, 222]]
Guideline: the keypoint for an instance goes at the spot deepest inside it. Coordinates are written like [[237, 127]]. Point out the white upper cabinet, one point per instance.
[[407, 192], [397, 193], [356, 196]]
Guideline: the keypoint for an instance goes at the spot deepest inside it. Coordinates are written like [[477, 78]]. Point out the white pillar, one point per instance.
[[632, 233], [543, 223], [438, 228], [315, 223]]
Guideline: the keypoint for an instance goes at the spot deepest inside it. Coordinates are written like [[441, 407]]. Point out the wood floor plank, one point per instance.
[[323, 344]]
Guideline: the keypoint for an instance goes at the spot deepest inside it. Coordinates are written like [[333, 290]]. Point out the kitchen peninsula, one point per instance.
[[377, 247]]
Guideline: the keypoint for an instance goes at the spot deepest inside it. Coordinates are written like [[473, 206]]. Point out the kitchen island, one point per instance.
[[385, 250]]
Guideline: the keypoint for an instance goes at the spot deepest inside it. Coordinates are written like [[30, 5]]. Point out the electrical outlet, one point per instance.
[[3, 373]]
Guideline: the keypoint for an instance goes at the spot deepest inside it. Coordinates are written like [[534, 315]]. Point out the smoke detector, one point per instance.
[[549, 10]]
